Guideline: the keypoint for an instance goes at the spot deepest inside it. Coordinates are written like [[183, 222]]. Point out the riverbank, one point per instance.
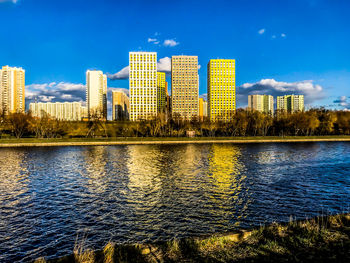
[[322, 239], [33, 142]]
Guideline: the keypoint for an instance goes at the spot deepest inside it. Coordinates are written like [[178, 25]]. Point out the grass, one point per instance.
[[168, 139], [322, 239]]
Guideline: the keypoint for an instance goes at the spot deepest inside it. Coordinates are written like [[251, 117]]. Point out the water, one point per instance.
[[142, 193]]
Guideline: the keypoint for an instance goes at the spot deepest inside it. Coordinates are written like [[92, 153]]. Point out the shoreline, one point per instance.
[[319, 239], [162, 141]]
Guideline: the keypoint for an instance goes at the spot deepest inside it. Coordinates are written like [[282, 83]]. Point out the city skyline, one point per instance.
[[272, 52]]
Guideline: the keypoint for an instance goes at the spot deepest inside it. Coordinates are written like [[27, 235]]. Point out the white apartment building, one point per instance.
[[96, 93], [64, 111], [143, 85]]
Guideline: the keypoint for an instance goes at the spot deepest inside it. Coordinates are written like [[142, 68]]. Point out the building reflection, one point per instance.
[[13, 177], [229, 196]]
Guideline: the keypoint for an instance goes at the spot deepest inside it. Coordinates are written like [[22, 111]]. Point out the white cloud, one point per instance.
[[122, 74], [170, 43], [150, 40], [342, 101], [311, 91], [283, 35], [164, 65], [57, 92], [261, 31]]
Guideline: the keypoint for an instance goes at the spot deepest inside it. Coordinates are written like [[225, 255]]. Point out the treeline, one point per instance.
[[243, 123]]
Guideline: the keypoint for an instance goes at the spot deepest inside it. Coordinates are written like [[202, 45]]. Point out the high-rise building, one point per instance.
[[162, 90], [290, 103], [202, 106], [262, 103], [120, 106], [143, 85], [184, 86], [12, 90], [96, 94], [65, 111], [221, 89]]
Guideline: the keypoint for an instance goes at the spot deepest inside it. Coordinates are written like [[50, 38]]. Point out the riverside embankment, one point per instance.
[[321, 239], [172, 140]]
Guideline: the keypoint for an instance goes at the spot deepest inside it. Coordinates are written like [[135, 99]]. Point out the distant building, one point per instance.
[[290, 103], [96, 94], [64, 111], [262, 103], [143, 85], [162, 90], [221, 89], [202, 106], [12, 90], [120, 106], [184, 86]]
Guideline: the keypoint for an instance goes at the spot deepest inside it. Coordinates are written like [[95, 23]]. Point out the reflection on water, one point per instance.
[[157, 192]]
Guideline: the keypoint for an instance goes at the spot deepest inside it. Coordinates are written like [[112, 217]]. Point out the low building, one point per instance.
[[290, 103], [120, 106], [261, 103], [64, 111]]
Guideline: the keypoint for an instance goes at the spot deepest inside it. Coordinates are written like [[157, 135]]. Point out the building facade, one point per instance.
[[143, 85], [96, 94], [261, 103], [12, 90], [120, 106], [162, 92], [64, 111], [184, 86], [221, 89], [202, 108], [290, 103]]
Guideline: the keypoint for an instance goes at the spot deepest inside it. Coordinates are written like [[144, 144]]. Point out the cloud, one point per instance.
[[150, 40], [342, 101], [9, 1], [55, 92], [164, 65], [170, 43], [261, 31], [283, 35], [122, 74], [312, 92]]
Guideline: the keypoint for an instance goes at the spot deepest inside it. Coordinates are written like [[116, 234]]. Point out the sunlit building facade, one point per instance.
[[96, 94], [64, 111], [120, 106], [162, 92], [143, 85], [261, 103], [202, 108], [184, 86], [12, 90], [221, 89], [290, 103]]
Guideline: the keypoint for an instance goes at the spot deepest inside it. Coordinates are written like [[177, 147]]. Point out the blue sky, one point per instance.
[[284, 46]]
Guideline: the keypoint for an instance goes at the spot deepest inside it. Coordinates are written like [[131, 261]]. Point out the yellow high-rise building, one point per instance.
[[143, 85], [262, 103], [65, 111], [96, 94], [120, 106], [12, 90], [290, 103], [184, 86], [202, 106], [221, 89], [161, 91]]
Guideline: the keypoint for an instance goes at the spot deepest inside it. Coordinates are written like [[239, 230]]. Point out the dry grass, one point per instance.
[[322, 239]]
